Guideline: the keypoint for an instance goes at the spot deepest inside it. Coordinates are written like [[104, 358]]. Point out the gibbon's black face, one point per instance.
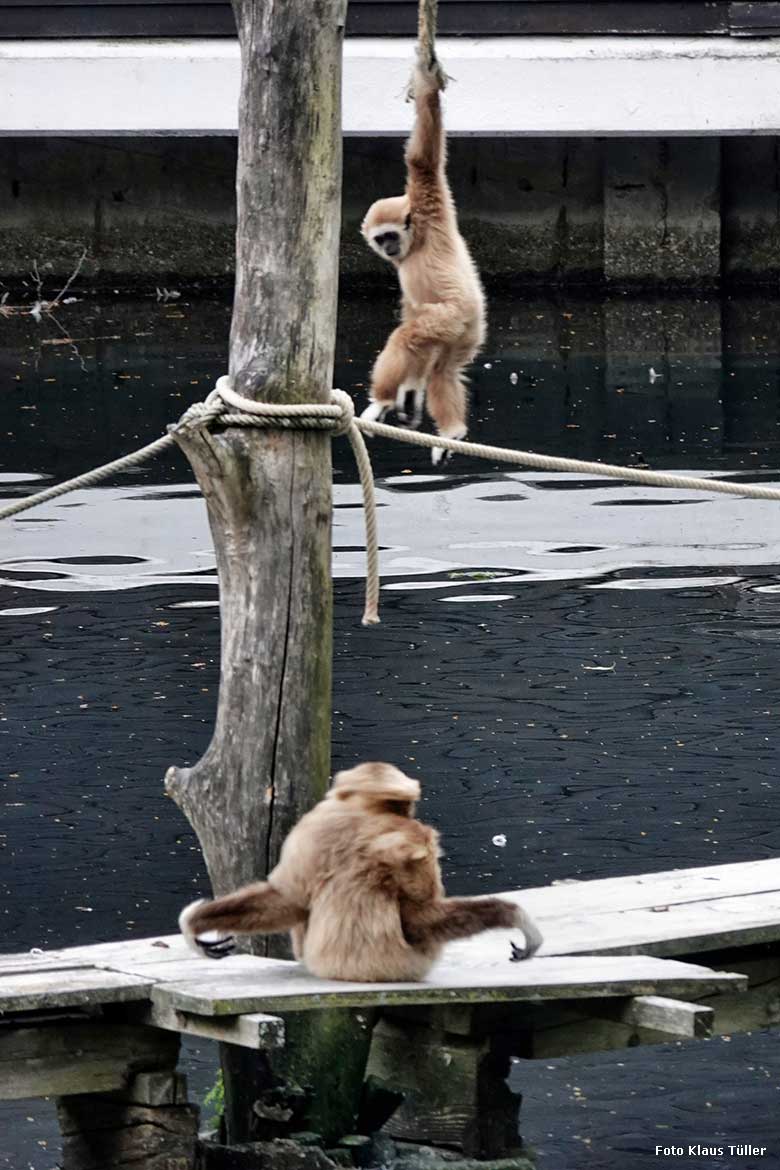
[[387, 228], [389, 242]]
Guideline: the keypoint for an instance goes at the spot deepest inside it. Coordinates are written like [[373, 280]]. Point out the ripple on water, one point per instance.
[[28, 611]]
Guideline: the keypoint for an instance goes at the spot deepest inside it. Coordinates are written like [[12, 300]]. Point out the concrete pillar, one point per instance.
[[662, 211], [751, 208]]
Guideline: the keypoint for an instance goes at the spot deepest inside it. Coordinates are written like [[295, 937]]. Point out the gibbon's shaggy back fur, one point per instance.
[[359, 888]]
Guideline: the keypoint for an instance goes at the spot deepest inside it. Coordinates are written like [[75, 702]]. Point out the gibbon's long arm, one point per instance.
[[454, 918], [425, 150], [255, 909]]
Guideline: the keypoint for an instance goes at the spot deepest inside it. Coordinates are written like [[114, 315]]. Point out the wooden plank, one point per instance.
[[23, 964], [678, 930], [674, 1017], [637, 891], [191, 966], [255, 1030], [673, 930], [78, 1057], [79, 987], [169, 948], [282, 986]]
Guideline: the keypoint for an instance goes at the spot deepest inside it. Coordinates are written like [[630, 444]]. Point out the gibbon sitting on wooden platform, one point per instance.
[[358, 887]]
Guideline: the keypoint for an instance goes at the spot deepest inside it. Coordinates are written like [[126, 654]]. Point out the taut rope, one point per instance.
[[228, 408]]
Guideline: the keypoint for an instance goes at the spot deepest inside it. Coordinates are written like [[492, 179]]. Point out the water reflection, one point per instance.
[[582, 668]]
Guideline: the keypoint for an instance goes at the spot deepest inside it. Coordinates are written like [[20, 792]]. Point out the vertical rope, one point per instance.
[[427, 21], [427, 15]]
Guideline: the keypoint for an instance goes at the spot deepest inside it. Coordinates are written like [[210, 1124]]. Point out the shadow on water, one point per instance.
[[587, 668]]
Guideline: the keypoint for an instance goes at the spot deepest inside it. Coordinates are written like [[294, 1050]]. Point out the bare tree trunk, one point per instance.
[[269, 492]]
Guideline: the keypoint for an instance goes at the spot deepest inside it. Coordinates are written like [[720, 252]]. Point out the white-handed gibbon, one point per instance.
[[442, 302], [359, 889]]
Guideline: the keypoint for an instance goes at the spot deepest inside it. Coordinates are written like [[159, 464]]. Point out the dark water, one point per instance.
[[502, 593]]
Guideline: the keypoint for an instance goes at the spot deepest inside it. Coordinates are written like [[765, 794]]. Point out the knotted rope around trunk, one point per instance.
[[336, 416]]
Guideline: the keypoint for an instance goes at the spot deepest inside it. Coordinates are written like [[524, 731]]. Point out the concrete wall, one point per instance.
[[650, 211]]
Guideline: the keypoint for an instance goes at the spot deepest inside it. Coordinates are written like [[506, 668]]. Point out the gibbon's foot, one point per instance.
[[375, 412], [409, 403], [439, 456], [214, 945]]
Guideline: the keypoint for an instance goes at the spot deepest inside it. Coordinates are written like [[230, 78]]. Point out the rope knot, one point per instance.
[[200, 414], [345, 404]]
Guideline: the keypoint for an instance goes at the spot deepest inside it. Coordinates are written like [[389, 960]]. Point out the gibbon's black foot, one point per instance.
[[518, 953], [218, 948], [409, 407]]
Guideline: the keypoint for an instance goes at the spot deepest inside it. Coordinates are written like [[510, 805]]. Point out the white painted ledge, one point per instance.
[[502, 86]]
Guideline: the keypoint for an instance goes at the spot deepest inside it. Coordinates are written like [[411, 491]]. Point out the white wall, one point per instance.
[[501, 86]]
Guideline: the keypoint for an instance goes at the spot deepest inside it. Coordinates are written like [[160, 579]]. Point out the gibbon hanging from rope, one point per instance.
[[442, 302]]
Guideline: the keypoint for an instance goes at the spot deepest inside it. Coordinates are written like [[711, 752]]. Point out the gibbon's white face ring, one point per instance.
[[390, 240]]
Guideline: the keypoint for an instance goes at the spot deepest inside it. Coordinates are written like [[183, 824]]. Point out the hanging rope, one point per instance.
[[339, 416], [427, 20]]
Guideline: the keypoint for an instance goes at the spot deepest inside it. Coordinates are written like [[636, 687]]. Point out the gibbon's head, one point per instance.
[[387, 228], [376, 788]]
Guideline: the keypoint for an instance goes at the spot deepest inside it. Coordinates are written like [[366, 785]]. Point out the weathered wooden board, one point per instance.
[[638, 891], [668, 930], [158, 949], [674, 1017], [78, 1057], [281, 986], [23, 964], [255, 1030], [71, 987], [187, 967]]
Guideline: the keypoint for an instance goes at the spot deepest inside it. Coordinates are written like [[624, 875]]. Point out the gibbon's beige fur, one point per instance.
[[359, 889], [442, 302]]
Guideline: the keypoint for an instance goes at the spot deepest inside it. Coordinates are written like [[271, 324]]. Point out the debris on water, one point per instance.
[[513, 378], [500, 840], [600, 669], [654, 376]]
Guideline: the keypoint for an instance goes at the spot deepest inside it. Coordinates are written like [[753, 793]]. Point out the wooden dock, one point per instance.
[[626, 960]]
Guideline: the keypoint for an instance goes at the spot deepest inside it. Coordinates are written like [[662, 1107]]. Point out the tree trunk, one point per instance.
[[268, 493]]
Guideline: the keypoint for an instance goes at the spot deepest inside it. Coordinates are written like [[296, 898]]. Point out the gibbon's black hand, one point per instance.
[[518, 953], [217, 948]]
